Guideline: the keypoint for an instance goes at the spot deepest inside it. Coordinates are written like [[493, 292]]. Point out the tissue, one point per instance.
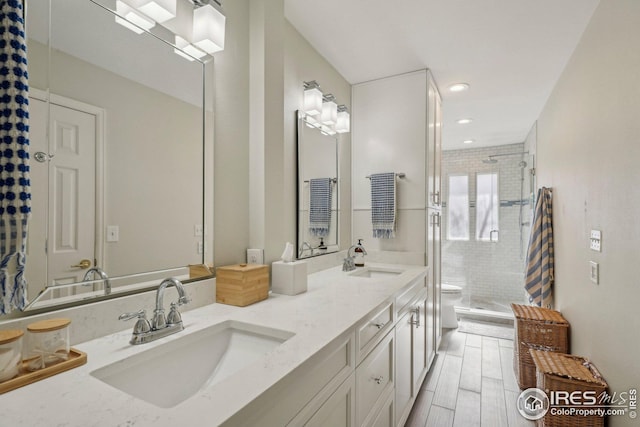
[[287, 255]]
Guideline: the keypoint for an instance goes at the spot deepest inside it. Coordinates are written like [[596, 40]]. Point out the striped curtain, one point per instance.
[[539, 274], [15, 198]]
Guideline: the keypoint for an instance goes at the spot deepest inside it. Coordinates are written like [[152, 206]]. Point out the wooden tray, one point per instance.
[[76, 358]]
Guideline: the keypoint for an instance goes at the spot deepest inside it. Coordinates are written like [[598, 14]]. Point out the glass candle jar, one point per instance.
[[10, 353], [47, 343]]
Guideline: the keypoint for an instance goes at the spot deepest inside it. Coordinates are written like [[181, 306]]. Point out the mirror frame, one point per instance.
[[152, 278]]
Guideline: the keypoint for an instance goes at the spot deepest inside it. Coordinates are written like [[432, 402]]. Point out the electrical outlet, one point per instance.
[[255, 256], [595, 240], [594, 272], [200, 247]]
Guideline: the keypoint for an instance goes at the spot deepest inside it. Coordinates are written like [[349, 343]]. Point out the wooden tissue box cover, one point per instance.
[[242, 284]]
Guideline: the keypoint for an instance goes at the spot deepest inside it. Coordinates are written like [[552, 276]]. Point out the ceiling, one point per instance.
[[510, 52]]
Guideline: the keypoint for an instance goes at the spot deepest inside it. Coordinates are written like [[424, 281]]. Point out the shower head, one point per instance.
[[489, 161], [492, 160], [522, 164]]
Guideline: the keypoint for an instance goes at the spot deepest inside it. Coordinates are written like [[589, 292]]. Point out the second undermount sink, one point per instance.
[[377, 272], [170, 373]]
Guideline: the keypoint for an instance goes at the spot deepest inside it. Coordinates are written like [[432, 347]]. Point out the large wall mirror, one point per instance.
[[119, 130], [318, 196]]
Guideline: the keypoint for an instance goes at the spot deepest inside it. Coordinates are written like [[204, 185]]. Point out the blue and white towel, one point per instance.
[[319, 206], [540, 269], [15, 198], [383, 205]]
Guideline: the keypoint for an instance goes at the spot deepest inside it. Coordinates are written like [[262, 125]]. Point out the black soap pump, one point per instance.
[[322, 247], [359, 254]]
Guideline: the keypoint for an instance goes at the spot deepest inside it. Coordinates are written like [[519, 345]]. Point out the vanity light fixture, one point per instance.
[[312, 98], [208, 26], [468, 141], [327, 130], [329, 110], [459, 87], [129, 18], [343, 123], [158, 10], [464, 121], [202, 26]]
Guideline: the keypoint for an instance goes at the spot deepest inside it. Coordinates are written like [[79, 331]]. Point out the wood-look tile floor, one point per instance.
[[471, 383]]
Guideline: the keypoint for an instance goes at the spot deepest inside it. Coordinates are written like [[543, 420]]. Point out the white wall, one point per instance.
[[389, 134], [588, 152]]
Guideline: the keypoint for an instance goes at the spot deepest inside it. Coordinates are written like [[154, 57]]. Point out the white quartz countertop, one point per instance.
[[334, 303]]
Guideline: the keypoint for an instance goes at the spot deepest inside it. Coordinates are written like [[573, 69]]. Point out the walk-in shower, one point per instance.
[[487, 215]]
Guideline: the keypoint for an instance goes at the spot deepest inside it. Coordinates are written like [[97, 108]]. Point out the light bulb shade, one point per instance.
[[329, 113], [187, 50], [310, 121], [132, 19], [158, 10], [208, 29], [343, 124], [312, 101]]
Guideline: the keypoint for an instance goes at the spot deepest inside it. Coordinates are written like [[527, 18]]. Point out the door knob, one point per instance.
[[85, 263]]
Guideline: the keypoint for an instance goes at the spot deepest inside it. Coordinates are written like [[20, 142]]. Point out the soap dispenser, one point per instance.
[[322, 247], [359, 254]]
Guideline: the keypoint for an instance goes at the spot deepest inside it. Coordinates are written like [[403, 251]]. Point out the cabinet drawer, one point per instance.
[[373, 328], [374, 380]]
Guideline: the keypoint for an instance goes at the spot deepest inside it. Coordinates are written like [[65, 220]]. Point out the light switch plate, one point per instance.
[[595, 240], [113, 233], [595, 272]]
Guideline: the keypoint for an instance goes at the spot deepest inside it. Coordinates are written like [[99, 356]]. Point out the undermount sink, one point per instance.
[[170, 373], [376, 272]]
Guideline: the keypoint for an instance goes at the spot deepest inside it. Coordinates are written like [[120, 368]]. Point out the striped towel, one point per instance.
[[383, 205], [539, 277], [319, 206], [15, 198]]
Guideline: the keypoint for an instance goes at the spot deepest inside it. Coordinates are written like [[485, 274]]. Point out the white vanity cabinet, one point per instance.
[[411, 354]]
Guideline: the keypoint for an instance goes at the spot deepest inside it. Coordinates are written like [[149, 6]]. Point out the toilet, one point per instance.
[[451, 296]]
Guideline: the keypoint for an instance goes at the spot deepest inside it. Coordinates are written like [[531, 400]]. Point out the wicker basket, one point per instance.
[[564, 372], [540, 329]]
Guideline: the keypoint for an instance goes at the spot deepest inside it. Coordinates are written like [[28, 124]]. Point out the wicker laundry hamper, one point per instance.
[[567, 373], [540, 329]]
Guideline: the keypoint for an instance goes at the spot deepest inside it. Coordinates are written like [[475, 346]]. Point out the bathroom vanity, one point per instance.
[[352, 350]]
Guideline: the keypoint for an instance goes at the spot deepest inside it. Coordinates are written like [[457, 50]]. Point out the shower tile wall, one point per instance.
[[490, 273]]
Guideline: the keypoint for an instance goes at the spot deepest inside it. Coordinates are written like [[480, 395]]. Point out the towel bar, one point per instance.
[[334, 180], [399, 175]]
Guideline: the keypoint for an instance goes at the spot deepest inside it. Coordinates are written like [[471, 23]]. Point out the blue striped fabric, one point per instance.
[[319, 206], [540, 271], [383, 205], [15, 196]]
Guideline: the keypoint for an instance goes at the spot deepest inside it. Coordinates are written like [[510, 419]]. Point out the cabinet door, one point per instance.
[[431, 143], [338, 410], [404, 389], [419, 343], [385, 417], [437, 279]]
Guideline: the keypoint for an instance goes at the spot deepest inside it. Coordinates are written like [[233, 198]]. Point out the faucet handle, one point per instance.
[[142, 325], [174, 315]]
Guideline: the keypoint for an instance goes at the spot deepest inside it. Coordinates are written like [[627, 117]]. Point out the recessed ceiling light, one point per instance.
[[469, 141], [464, 121], [458, 87]]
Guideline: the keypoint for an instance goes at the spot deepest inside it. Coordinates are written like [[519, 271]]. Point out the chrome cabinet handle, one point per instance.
[[378, 380], [379, 325], [416, 316]]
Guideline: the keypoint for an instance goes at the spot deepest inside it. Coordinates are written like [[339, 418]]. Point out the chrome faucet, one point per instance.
[[161, 326], [302, 248], [90, 276], [349, 262]]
